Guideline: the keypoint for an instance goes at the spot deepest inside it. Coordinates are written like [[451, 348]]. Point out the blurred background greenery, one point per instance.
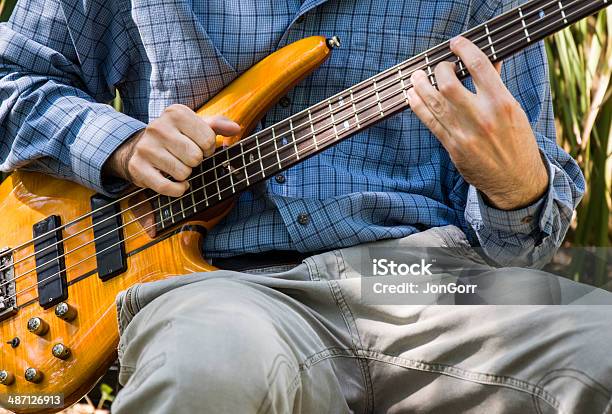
[[581, 64]]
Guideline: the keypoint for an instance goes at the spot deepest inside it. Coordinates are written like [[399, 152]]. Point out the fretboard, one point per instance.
[[262, 155]]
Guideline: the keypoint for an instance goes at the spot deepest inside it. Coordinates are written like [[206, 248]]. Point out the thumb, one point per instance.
[[222, 125]]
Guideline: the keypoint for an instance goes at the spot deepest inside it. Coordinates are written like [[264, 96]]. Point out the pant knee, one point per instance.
[[223, 351]]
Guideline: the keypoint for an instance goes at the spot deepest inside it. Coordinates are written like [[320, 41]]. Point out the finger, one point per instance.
[[478, 64], [223, 126], [195, 128], [149, 177], [203, 130], [424, 114], [185, 149], [167, 163], [429, 95], [450, 87]]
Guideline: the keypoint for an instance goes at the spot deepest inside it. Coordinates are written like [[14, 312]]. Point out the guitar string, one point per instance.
[[262, 145], [253, 137], [156, 223], [324, 129]]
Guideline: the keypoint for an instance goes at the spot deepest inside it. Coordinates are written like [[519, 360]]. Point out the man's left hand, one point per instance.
[[487, 135]]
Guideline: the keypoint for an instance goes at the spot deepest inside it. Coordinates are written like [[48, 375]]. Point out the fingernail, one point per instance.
[[455, 40], [410, 95]]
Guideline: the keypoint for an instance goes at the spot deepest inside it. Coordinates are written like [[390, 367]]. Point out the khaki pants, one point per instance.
[[303, 340]]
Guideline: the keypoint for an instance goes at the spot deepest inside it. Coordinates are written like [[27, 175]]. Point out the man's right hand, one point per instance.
[[171, 145]]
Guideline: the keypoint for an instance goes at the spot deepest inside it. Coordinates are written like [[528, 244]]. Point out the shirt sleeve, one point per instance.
[[50, 120]]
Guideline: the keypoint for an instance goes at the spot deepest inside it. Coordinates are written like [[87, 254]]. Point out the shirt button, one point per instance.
[[280, 178], [284, 102], [527, 219], [300, 19], [303, 219]]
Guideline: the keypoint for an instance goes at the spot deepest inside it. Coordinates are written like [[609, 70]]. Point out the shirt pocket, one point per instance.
[[394, 34], [396, 140]]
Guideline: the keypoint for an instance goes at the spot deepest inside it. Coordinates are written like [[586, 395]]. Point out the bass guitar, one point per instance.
[[69, 252]]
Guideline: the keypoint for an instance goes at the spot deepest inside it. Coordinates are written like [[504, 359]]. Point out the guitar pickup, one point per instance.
[[50, 265], [108, 237]]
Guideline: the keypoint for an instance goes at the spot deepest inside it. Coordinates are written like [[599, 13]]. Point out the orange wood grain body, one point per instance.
[[27, 198]]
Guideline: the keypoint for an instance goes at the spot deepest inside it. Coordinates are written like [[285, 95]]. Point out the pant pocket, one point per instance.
[[126, 307]]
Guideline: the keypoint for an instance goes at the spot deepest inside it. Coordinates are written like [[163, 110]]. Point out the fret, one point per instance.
[[159, 224], [263, 170], [182, 207], [252, 166], [462, 69], [166, 209], [204, 188], [175, 208], [562, 8], [216, 177], [314, 136], [297, 153], [355, 109], [430, 74], [331, 112], [380, 108], [520, 10], [286, 150], [230, 170], [490, 42], [404, 88], [280, 165], [244, 163], [237, 167], [346, 125], [192, 194], [170, 208]]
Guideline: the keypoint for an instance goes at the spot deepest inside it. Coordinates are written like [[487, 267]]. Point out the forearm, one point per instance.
[[47, 122]]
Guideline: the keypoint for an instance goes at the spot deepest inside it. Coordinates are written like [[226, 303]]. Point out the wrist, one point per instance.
[[117, 164], [525, 192]]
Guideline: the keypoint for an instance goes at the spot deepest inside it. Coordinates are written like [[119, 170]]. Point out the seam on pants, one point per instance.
[[349, 320], [313, 269], [442, 369], [356, 343], [355, 337], [459, 373]]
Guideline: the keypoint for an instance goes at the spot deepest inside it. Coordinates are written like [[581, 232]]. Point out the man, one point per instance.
[[292, 334]]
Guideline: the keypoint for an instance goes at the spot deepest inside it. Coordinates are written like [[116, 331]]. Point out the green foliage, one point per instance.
[[6, 7], [581, 64], [106, 394]]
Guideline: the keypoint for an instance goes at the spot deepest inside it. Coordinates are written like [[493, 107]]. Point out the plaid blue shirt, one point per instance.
[[61, 60]]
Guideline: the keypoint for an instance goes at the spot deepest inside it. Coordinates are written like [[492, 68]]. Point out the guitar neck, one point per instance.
[[282, 145]]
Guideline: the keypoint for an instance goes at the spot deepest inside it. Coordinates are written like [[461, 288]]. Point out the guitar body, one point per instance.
[[92, 336]]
